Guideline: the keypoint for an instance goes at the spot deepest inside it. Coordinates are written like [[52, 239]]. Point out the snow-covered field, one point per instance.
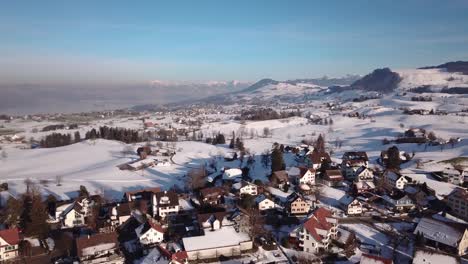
[[94, 164]]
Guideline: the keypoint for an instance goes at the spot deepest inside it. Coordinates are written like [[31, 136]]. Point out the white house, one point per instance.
[[364, 179], [9, 243], [149, 233], [245, 187], [317, 232], [71, 215], [307, 176], [453, 176], [264, 203], [354, 208], [87, 203], [165, 203], [394, 179], [121, 213], [350, 166]]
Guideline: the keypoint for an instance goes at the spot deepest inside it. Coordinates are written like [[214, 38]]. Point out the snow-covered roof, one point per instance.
[[224, 237], [426, 257], [232, 173], [438, 231], [154, 257]]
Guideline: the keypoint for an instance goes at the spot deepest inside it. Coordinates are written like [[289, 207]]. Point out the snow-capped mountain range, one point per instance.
[[452, 79]]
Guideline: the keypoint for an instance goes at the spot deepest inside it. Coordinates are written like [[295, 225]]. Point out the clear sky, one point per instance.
[[138, 41]]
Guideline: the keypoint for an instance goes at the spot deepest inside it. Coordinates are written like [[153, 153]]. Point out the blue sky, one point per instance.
[[139, 41]]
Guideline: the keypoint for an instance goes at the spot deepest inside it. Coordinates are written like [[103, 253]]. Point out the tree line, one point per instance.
[[115, 133], [265, 114]]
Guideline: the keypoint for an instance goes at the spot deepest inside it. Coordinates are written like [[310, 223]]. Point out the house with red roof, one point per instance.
[[9, 242], [317, 232]]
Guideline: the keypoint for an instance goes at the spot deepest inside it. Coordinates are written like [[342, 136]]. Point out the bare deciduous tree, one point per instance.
[[58, 180], [196, 178]]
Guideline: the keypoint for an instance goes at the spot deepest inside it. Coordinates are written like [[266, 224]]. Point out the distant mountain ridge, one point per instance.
[[454, 66], [380, 80]]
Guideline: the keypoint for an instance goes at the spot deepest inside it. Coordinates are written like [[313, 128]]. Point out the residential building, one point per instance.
[[9, 244], [121, 213], [354, 208], [212, 195], [364, 180], [213, 221], [316, 233], [264, 203], [352, 161], [297, 204], [226, 241], [306, 176], [393, 179], [316, 158], [280, 179], [458, 202], [452, 236], [333, 178], [142, 194], [99, 248], [165, 203], [245, 187], [70, 215], [453, 176], [150, 233], [400, 201]]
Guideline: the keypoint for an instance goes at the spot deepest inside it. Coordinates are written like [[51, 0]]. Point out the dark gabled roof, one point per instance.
[[124, 209], [211, 192], [294, 196], [167, 198], [360, 170], [95, 240], [281, 175], [317, 157], [202, 218], [145, 193], [333, 175], [461, 192], [304, 170]]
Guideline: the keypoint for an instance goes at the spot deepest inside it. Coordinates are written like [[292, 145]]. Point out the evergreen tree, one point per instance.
[[34, 217], [393, 161], [232, 144], [277, 162], [77, 137], [320, 144], [13, 211], [83, 192]]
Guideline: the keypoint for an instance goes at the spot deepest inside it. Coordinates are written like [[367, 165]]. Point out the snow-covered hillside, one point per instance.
[[437, 78]]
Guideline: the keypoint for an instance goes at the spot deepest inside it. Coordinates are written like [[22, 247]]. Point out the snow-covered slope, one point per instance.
[[436, 78]]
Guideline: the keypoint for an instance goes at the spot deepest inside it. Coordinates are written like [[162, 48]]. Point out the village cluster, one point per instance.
[[224, 213], [223, 198]]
